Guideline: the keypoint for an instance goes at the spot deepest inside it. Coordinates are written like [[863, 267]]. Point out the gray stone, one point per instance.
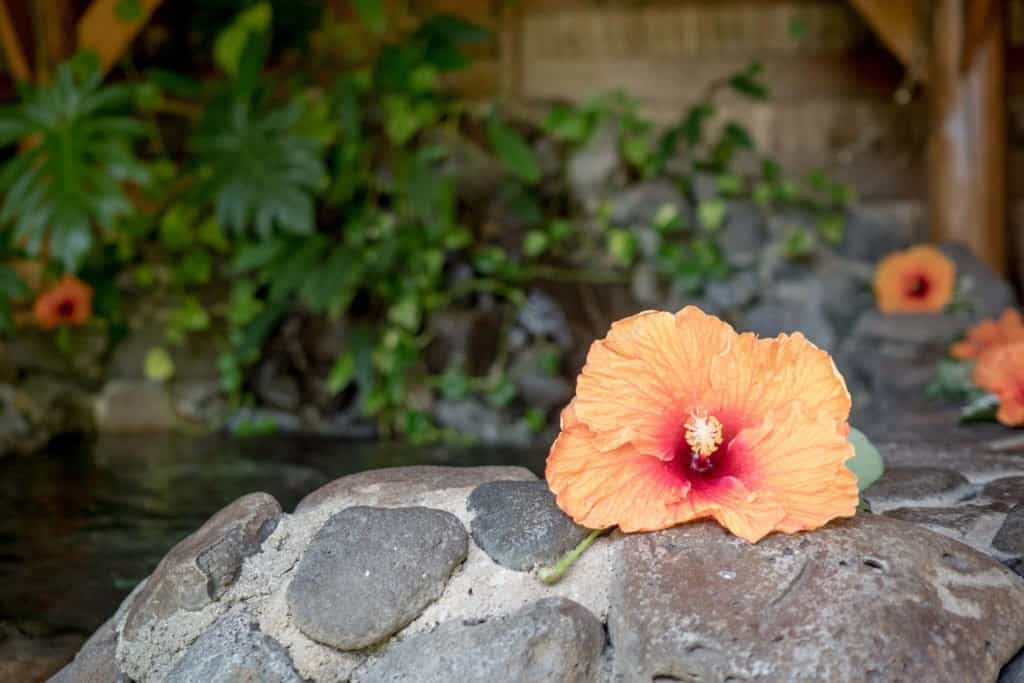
[[640, 203], [519, 525], [1010, 537], [735, 293], [95, 661], [393, 485], [234, 650], [466, 338], [985, 291], [948, 448], [199, 570], [40, 409], [543, 318], [919, 329], [276, 386], [128, 406], [901, 486], [873, 231], [1008, 491], [593, 167], [539, 387], [866, 599], [971, 524], [793, 307], [553, 639], [370, 571], [742, 238], [846, 292], [475, 418]]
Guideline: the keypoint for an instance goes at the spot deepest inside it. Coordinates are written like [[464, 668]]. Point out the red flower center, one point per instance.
[[918, 286], [66, 308], [702, 452]]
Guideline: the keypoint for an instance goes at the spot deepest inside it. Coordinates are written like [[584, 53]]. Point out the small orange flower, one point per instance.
[[918, 280], [69, 302], [990, 334], [678, 417], [1001, 372]]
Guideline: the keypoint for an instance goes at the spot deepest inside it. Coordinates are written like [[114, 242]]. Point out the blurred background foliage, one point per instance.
[[299, 165]]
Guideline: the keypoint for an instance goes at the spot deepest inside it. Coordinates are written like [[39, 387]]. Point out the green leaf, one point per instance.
[[748, 83], [128, 11], [711, 214], [372, 14], [866, 462], [693, 124], [230, 44], [568, 124], [11, 286], [832, 227], [503, 393], [797, 243], [953, 381], [513, 151], [342, 373], [159, 367], [454, 384], [622, 246], [981, 409], [535, 243]]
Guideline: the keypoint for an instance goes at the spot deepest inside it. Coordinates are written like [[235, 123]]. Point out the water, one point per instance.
[[81, 525]]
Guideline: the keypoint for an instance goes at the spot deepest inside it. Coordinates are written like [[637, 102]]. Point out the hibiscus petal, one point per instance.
[[624, 487], [749, 515], [639, 382], [758, 376], [797, 457]]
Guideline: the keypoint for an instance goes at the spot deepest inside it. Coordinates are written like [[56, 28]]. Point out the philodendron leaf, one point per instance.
[[982, 409], [866, 462]]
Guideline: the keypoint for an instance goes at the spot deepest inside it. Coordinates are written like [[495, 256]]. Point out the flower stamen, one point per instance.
[[703, 433]]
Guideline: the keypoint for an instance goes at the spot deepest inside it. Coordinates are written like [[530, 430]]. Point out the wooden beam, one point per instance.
[[967, 136], [108, 35], [895, 23], [13, 52]]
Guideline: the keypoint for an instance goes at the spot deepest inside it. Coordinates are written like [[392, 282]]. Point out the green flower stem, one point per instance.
[[554, 573]]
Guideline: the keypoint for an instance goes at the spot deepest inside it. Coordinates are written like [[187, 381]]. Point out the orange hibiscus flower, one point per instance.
[[918, 280], [1001, 372], [69, 302], [990, 334], [678, 417]]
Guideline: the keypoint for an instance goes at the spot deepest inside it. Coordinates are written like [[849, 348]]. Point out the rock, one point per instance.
[[127, 406], [538, 386], [276, 386], [645, 285], [694, 604], [948, 448], [200, 568], [593, 167], [986, 292], [95, 662], [463, 337], [370, 571], [40, 409], [1010, 537], [476, 173], [873, 231], [234, 650], [194, 359], [550, 640], [394, 485], [970, 524], [792, 307], [742, 237], [846, 292], [518, 524], [543, 318], [918, 329], [903, 486], [733, 294], [34, 351], [1008, 491], [473, 417]]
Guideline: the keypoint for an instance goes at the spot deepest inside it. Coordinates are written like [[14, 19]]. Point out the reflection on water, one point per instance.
[[80, 526]]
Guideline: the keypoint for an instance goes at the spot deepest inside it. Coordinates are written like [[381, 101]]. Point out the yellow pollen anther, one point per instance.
[[703, 433]]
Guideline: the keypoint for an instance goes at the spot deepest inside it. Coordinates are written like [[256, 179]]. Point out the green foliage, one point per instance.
[[866, 462], [953, 381], [69, 179]]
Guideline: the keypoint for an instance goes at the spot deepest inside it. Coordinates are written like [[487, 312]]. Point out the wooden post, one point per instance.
[[967, 136]]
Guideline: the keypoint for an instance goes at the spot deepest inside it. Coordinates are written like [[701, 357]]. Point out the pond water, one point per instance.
[[81, 525]]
